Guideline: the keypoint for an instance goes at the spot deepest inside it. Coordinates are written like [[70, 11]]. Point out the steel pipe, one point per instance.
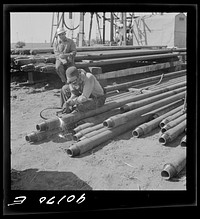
[[183, 141], [151, 125], [172, 133], [137, 104], [29, 67], [173, 123], [170, 118], [141, 81], [95, 132], [81, 133], [125, 117], [177, 161], [36, 136], [90, 143], [163, 110], [91, 121], [75, 117]]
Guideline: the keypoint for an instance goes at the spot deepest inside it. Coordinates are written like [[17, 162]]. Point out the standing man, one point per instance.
[[65, 52], [83, 92]]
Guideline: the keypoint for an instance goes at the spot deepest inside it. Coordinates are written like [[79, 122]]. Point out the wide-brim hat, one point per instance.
[[60, 30]]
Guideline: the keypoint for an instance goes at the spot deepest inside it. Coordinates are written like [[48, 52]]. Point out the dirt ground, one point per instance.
[[123, 163]]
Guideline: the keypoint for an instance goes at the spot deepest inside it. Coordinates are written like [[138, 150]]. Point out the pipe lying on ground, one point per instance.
[[28, 61], [170, 118], [177, 161], [81, 133], [36, 136], [91, 134], [183, 141], [75, 117], [173, 123], [141, 81], [117, 120], [172, 133], [90, 143], [137, 104], [91, 121], [151, 125], [47, 69], [167, 108]]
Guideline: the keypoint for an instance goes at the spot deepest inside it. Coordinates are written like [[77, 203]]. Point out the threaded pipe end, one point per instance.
[[168, 171], [137, 132]]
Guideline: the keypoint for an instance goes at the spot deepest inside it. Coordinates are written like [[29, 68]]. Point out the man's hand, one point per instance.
[[66, 108], [62, 56]]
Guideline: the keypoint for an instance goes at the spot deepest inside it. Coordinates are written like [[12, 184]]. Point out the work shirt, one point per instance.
[[90, 88], [63, 47]]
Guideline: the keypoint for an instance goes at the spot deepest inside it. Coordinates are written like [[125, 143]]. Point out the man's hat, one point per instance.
[[71, 74], [60, 30]]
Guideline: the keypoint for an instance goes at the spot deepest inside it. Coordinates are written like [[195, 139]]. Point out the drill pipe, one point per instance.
[[151, 125], [177, 161], [29, 67], [91, 121], [141, 81], [28, 61], [137, 104], [48, 68], [36, 136], [167, 108], [183, 141], [125, 117], [170, 118], [81, 133], [90, 143], [95, 132], [173, 123], [172, 133], [75, 117]]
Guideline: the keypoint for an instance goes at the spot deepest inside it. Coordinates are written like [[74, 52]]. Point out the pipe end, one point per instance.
[[124, 108], [168, 171], [41, 127], [73, 151], [137, 132], [164, 139], [27, 138], [163, 123], [108, 123]]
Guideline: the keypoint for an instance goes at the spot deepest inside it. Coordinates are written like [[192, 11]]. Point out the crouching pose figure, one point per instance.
[[82, 92]]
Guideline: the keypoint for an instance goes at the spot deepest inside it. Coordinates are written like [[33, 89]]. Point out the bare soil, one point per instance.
[[123, 163]]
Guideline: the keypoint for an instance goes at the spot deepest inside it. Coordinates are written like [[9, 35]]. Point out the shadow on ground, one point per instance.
[[33, 179]]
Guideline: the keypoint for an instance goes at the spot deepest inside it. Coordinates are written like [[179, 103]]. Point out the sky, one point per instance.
[[35, 27]]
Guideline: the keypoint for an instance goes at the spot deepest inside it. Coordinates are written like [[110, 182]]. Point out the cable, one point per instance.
[[146, 88], [47, 109], [67, 26]]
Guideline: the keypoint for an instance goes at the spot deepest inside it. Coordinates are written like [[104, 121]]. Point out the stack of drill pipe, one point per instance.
[[176, 162], [120, 119], [29, 67], [92, 121], [142, 81], [85, 131], [28, 61], [75, 117], [39, 66], [171, 118], [183, 141], [170, 82], [134, 105], [173, 123], [172, 133], [89, 143], [48, 69], [145, 128]]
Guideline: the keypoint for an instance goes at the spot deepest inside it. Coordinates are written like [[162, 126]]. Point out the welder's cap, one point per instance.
[[60, 30], [72, 74]]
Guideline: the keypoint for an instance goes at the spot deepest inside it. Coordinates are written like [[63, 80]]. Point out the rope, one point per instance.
[[68, 27], [146, 88], [45, 118]]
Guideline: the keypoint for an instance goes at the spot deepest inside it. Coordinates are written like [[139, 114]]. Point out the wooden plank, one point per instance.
[[137, 70]]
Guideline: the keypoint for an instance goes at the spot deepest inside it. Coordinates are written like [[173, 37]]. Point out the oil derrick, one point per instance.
[[59, 20]]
